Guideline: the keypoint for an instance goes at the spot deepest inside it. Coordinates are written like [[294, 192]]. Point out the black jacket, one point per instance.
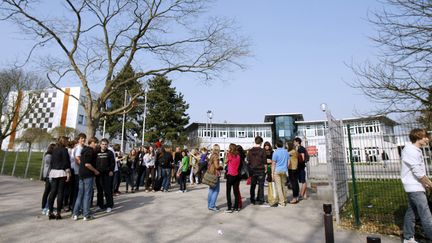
[[88, 156], [60, 159]]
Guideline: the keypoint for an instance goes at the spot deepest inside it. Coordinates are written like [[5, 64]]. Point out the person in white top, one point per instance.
[[149, 162], [415, 183]]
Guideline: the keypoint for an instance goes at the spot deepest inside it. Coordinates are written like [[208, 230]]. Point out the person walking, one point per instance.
[[233, 164], [214, 168], [59, 175], [415, 183], [257, 161], [87, 172], [279, 169]]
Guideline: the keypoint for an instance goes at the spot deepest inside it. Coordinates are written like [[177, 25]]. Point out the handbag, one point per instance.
[[210, 179]]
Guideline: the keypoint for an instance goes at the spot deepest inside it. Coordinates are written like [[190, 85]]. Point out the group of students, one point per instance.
[[261, 163], [70, 170], [72, 167]]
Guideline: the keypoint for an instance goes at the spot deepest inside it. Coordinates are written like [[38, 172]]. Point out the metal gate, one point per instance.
[[336, 163]]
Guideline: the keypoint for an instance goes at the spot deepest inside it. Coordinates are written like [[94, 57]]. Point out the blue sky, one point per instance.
[[299, 53]]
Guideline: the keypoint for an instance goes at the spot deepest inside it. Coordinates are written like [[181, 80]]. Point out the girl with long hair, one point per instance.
[[59, 175], [292, 171], [214, 168], [233, 163], [149, 162]]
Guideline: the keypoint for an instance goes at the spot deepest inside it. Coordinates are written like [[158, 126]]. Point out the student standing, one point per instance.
[[301, 166], [292, 171], [257, 161], [45, 176], [279, 169], [415, 183], [59, 175], [233, 163], [183, 171], [149, 163], [87, 172], [105, 163], [214, 168]]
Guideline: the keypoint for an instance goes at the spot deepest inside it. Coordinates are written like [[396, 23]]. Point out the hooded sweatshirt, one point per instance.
[[413, 168]]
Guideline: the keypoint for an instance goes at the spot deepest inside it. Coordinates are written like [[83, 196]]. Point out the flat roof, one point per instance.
[[366, 118], [268, 117]]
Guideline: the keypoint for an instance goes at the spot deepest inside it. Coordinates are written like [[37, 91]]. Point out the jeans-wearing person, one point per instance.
[[212, 196], [141, 175], [84, 197], [280, 181], [46, 194], [417, 206], [116, 181], [257, 179], [166, 178]]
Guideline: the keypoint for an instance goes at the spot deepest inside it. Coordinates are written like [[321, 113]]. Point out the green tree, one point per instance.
[[166, 113], [134, 116]]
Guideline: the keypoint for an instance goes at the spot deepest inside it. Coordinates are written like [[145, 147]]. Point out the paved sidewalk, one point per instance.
[[163, 217]]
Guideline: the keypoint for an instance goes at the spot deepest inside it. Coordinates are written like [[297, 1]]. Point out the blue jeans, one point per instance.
[[85, 190], [213, 194], [417, 206], [166, 178]]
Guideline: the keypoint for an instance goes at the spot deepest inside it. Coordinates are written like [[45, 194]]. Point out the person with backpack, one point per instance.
[[302, 159]]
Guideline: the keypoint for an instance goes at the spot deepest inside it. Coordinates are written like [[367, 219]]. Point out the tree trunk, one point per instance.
[[29, 152]]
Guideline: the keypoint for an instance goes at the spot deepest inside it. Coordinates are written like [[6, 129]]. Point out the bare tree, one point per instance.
[[400, 80], [99, 39], [16, 101]]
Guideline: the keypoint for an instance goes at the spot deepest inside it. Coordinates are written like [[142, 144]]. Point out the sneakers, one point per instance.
[[75, 217], [410, 240], [229, 211], [90, 217], [108, 210], [281, 204], [45, 211], [214, 209]]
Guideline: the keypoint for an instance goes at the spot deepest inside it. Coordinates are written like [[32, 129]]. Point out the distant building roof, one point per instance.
[[270, 117]]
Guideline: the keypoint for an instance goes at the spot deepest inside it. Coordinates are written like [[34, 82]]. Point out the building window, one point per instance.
[[241, 134], [81, 119], [259, 133], [223, 134]]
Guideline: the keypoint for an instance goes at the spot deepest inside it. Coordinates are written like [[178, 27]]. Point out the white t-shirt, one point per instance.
[[77, 153]]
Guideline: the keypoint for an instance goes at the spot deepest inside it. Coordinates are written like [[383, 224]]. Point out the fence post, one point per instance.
[[14, 166], [373, 239], [354, 183], [28, 162], [328, 223], [4, 161]]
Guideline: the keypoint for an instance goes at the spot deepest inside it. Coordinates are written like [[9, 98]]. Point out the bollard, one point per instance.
[[328, 223], [373, 239]]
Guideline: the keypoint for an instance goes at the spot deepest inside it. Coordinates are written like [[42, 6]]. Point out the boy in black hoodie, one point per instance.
[[105, 163]]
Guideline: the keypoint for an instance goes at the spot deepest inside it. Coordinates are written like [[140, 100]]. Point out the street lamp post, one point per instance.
[[123, 122], [210, 116], [144, 115], [135, 140]]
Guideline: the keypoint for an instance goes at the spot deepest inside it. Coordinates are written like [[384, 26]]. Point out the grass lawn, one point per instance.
[[382, 206], [34, 165]]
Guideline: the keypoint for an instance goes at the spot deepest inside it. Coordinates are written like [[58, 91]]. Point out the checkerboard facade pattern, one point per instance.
[[43, 112]]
